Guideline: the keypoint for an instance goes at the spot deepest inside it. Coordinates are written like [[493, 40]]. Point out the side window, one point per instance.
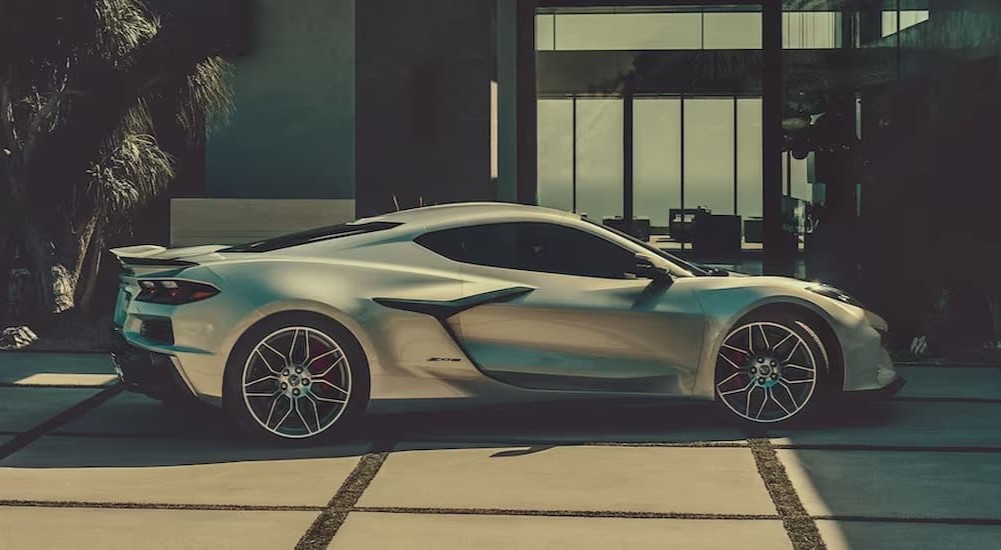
[[559, 249], [493, 245], [544, 247]]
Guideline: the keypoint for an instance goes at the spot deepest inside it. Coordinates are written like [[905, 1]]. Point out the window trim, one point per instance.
[[310, 236]]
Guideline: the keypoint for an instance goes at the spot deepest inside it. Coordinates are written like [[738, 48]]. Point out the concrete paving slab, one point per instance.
[[634, 479], [15, 366], [568, 422], [904, 424], [954, 382], [855, 535], [168, 471], [135, 414], [86, 528], [366, 530], [24, 408], [896, 484], [56, 379]]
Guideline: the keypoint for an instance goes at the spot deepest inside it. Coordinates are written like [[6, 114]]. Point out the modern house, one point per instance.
[[835, 138]]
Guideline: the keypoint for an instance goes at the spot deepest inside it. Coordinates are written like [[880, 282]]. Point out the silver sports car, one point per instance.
[[298, 335]]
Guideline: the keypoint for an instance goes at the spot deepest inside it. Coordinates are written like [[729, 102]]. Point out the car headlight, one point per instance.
[[835, 294]]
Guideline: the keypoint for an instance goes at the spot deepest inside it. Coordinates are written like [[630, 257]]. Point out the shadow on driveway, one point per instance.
[[133, 431]]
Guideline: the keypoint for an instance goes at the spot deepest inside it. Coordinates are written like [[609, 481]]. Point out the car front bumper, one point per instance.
[[885, 392]]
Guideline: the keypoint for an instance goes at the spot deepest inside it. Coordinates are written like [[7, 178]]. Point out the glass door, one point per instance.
[[581, 159]]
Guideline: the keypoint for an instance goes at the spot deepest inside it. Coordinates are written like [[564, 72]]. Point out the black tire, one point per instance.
[[773, 385], [242, 408]]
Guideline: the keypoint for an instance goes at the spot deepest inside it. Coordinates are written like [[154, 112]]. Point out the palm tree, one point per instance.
[[84, 85]]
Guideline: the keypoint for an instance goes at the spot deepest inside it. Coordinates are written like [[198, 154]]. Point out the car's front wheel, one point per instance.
[[296, 377], [771, 368]]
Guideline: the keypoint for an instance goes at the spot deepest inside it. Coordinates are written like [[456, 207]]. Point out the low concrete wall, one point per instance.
[[233, 221]]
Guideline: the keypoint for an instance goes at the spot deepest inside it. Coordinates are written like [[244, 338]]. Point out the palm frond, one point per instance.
[[138, 120], [134, 173], [122, 27], [206, 96]]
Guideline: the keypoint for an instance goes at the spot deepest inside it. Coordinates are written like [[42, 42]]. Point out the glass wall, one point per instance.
[[811, 30], [555, 146], [656, 158], [620, 31], [593, 184], [795, 175], [693, 28], [686, 152], [700, 149], [599, 157], [731, 30], [709, 146], [749, 158], [895, 21]]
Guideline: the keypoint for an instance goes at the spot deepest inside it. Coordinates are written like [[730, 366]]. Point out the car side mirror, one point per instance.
[[644, 268]]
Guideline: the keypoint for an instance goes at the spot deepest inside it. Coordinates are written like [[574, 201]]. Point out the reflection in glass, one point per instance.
[[555, 156], [694, 30], [599, 157], [656, 158], [545, 31], [657, 150], [749, 155], [811, 29], [732, 31], [797, 184], [908, 18], [709, 154], [628, 31]]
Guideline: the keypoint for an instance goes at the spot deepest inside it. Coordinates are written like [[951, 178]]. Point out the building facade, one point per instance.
[[824, 138]]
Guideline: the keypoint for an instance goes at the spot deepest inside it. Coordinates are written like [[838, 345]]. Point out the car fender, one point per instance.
[[720, 320]]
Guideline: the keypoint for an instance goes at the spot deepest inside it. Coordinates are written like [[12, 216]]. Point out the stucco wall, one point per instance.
[[232, 221], [423, 102], [292, 134]]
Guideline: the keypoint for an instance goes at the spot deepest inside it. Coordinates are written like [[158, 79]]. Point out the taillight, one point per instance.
[[173, 292]]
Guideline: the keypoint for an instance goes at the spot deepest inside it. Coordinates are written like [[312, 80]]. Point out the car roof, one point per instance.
[[457, 214]]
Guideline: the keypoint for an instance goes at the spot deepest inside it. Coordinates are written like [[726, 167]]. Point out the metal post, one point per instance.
[[573, 170], [627, 160], [682, 140], [527, 154], [735, 140], [788, 155], [776, 253]]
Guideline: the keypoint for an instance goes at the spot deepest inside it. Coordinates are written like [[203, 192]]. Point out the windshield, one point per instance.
[[311, 236], [687, 266]]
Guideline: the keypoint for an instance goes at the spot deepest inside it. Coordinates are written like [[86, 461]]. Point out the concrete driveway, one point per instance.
[[84, 465]]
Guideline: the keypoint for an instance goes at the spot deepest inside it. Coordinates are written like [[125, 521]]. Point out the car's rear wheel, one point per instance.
[[771, 369], [296, 377]]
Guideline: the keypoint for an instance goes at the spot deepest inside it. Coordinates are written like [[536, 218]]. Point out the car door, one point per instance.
[[585, 325]]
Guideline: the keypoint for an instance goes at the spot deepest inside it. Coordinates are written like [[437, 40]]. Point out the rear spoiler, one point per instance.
[[141, 255], [138, 251], [127, 260]]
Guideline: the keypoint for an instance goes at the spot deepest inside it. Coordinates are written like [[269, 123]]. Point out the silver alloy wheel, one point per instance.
[[296, 382], [765, 372]]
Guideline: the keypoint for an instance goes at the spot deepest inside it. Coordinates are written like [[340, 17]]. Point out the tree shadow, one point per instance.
[[137, 432], [134, 431]]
